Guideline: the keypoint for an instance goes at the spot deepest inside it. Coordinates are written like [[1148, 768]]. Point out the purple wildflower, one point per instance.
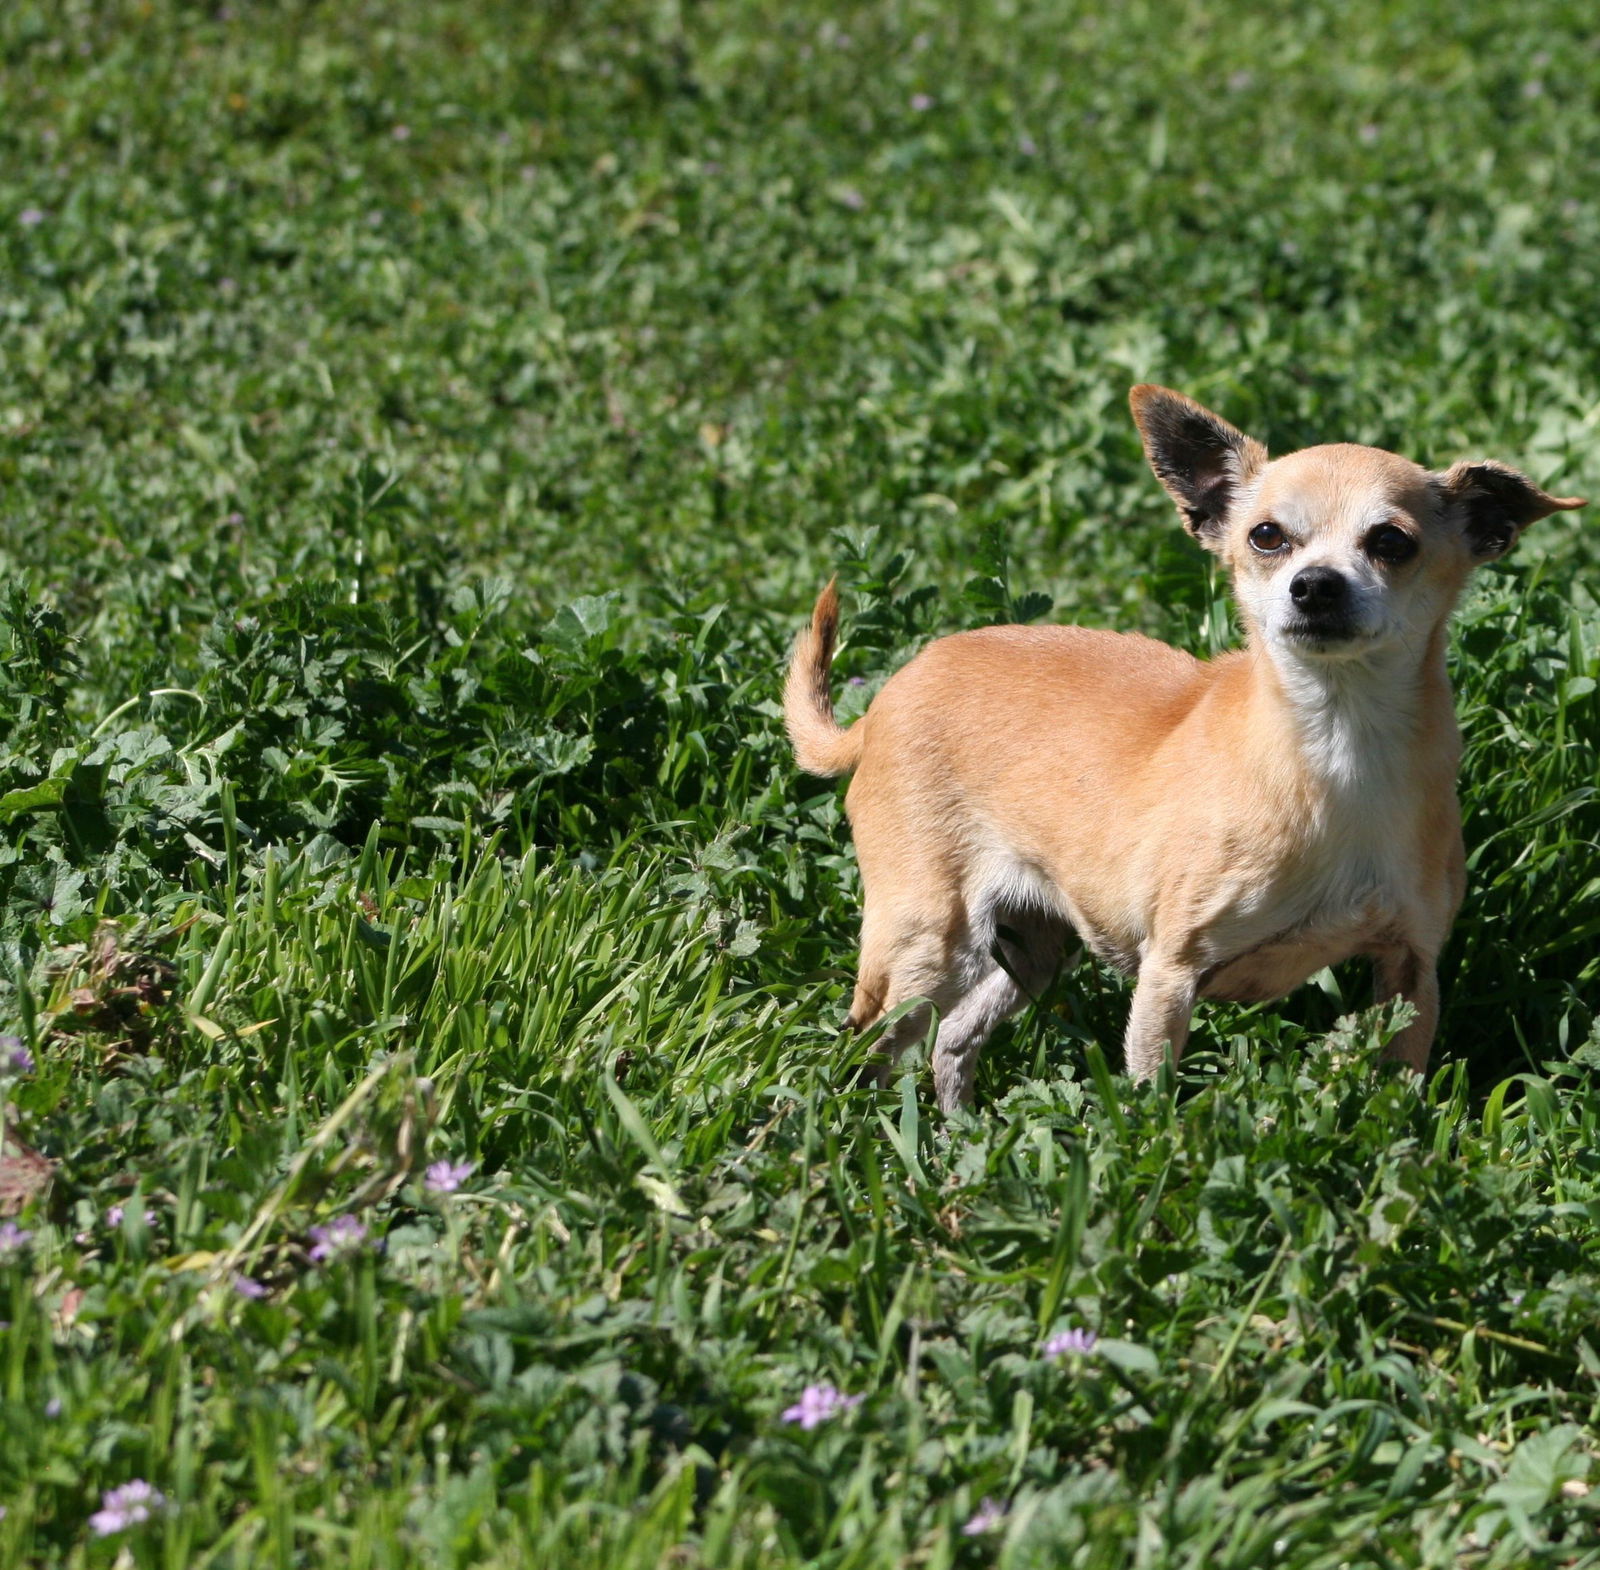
[[1027, 146], [15, 1056], [248, 1286], [817, 1404], [30, 217], [1070, 1343], [445, 1177], [114, 1216], [989, 1516], [852, 199], [52, 1407], [921, 102], [127, 1506], [401, 133], [342, 1235], [12, 1240]]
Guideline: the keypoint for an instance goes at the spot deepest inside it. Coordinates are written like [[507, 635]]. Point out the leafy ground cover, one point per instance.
[[427, 1140]]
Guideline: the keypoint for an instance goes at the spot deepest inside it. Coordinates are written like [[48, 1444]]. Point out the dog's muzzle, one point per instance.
[[1324, 607]]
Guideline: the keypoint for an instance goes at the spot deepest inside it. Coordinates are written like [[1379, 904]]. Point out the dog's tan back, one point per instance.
[[1221, 828]]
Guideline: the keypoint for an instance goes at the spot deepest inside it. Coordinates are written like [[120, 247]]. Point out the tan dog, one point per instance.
[[1220, 829]]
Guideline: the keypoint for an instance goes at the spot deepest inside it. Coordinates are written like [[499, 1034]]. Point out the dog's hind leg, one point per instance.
[[963, 1031], [1026, 955], [905, 954]]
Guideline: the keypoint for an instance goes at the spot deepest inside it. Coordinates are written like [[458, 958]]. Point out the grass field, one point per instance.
[[422, 428]]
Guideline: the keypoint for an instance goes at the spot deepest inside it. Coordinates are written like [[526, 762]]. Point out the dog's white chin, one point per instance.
[[1310, 646]]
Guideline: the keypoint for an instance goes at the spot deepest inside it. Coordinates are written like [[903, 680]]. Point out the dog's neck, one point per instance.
[[1355, 724]]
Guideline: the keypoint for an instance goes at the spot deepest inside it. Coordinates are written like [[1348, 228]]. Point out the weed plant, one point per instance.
[[427, 1139]]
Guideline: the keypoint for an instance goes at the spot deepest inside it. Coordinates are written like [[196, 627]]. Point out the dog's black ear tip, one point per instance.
[[1147, 393]]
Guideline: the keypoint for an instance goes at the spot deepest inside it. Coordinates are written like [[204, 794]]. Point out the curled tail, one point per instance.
[[821, 745]]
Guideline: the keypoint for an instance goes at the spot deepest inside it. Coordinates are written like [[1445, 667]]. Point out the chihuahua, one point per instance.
[[1215, 829]]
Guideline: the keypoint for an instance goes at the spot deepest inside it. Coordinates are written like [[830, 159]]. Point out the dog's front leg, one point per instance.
[[1405, 972], [1163, 999]]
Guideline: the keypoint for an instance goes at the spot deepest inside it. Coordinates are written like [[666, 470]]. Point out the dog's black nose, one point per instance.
[[1317, 590]]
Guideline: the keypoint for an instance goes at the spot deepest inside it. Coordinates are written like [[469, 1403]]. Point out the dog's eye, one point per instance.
[[1267, 538], [1391, 545]]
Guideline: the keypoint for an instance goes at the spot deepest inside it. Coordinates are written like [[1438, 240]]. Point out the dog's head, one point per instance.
[[1336, 552]]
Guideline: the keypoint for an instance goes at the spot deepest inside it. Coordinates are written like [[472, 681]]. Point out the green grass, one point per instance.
[[422, 428]]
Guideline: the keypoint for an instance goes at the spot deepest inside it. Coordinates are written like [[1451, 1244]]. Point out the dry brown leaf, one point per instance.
[[24, 1174]]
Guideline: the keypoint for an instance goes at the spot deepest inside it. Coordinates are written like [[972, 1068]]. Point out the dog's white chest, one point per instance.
[[1337, 896]]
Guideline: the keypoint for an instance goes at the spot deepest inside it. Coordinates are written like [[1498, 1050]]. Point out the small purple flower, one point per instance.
[[921, 102], [1368, 134], [445, 1177], [342, 1235], [15, 1056], [1027, 146], [989, 1517], [12, 1240], [852, 199], [817, 1404], [30, 217], [114, 1216], [1070, 1343], [401, 133], [127, 1506], [52, 1407], [248, 1286]]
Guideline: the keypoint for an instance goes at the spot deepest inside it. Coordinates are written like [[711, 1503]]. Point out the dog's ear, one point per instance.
[[1495, 503], [1200, 459]]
